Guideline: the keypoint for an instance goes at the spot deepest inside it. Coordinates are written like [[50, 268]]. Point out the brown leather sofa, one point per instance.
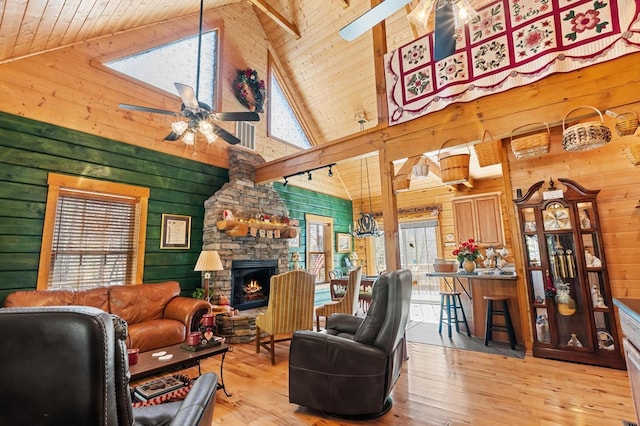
[[156, 314]]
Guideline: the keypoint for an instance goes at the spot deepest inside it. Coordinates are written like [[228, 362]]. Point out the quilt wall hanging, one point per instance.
[[511, 43]]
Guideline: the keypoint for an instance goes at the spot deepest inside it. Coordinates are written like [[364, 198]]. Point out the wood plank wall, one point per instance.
[[301, 201], [30, 150]]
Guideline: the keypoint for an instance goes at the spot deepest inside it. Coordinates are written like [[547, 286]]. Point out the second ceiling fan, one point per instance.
[[200, 116]]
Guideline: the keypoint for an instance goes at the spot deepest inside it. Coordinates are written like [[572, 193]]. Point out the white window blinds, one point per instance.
[[94, 241]]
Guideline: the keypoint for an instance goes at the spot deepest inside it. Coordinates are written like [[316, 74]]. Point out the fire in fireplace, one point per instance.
[[250, 282]]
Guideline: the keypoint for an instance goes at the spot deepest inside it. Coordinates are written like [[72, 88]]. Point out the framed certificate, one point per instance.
[[176, 232]]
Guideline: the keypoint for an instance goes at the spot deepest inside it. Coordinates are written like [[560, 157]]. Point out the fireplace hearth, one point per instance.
[[250, 281]]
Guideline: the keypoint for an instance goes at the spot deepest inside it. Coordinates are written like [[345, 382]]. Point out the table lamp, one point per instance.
[[209, 260]]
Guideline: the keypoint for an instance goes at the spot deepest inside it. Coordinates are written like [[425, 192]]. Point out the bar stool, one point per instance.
[[450, 300], [490, 326]]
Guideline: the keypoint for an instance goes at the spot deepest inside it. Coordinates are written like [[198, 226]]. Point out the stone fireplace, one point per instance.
[[244, 198]]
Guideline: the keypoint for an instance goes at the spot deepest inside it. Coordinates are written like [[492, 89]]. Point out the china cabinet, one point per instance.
[[566, 272]]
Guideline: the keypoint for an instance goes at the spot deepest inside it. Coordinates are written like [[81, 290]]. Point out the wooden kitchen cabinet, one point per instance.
[[479, 217]]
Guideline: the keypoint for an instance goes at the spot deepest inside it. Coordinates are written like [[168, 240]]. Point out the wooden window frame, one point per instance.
[[58, 182]]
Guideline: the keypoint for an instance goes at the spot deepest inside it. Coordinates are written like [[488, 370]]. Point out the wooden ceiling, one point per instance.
[[331, 79]]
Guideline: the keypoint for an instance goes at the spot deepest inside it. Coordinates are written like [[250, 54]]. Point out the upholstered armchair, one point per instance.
[[290, 308], [350, 368], [69, 366], [348, 303]]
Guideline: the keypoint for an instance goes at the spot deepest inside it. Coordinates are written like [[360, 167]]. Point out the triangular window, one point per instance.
[[283, 123], [176, 62]]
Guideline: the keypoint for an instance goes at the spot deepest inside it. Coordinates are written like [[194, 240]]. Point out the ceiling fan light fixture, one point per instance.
[[206, 129], [189, 138], [179, 127], [463, 13], [419, 16]]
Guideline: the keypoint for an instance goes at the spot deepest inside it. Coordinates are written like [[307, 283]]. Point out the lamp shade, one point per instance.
[[208, 261]]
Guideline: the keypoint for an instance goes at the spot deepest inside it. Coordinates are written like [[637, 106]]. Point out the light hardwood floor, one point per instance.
[[438, 386]]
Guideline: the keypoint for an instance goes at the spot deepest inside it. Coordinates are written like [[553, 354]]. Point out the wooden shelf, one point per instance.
[[235, 228]]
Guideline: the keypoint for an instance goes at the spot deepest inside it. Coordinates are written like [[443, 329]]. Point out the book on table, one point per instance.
[[158, 387]]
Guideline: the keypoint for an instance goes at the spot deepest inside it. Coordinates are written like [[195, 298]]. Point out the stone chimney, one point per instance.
[[245, 198]]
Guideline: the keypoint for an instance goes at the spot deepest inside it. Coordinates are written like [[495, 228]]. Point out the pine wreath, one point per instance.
[[250, 90]]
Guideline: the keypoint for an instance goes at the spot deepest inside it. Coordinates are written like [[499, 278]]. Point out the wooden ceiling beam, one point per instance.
[[277, 17]]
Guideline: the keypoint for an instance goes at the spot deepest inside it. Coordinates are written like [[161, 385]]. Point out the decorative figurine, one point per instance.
[[574, 341], [596, 297], [585, 222]]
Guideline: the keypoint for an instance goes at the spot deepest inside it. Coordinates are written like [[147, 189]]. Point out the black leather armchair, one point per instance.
[[350, 368], [69, 366]]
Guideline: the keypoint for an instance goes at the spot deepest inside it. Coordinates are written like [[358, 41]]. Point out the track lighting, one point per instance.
[[308, 173]]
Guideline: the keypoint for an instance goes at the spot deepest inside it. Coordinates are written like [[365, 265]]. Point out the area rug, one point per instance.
[[427, 333]]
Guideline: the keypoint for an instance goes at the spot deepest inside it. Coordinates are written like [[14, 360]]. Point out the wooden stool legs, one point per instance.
[[490, 326], [450, 300]]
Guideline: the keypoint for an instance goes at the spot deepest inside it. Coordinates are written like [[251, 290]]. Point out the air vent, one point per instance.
[[246, 132]]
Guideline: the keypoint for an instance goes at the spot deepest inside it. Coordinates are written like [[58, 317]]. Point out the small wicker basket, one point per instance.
[[585, 136], [454, 168], [489, 152], [531, 145], [626, 123], [633, 154]]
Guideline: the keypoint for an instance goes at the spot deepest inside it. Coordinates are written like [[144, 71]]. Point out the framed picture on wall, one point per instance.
[[176, 232], [295, 242], [343, 243]]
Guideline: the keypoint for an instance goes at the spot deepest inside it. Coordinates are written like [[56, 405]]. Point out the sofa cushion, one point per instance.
[[142, 302], [95, 297], [154, 334]]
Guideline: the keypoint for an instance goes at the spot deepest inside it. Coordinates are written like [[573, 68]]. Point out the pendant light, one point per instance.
[[366, 226]]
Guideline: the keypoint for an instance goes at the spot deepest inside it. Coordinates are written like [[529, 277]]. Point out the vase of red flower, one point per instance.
[[467, 253]]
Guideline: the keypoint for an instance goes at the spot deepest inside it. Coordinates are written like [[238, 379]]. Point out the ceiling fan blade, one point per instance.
[[370, 18], [187, 95], [226, 135], [173, 136], [444, 41], [237, 116], [147, 109]]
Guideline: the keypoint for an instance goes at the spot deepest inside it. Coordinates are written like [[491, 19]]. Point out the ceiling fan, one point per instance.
[[449, 15], [200, 116]]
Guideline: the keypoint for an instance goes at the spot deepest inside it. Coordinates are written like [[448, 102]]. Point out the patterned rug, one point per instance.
[[427, 333]]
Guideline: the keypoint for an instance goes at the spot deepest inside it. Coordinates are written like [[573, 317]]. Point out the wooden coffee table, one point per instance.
[[149, 365]]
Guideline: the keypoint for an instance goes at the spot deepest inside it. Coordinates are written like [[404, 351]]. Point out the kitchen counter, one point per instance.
[[477, 285]]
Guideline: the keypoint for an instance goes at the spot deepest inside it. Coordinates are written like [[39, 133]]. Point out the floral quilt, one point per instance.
[[511, 43]]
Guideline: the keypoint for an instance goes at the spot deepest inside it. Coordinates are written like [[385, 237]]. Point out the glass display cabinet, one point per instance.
[[566, 272]]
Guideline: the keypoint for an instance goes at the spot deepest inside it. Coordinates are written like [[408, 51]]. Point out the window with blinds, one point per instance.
[[93, 242], [94, 234]]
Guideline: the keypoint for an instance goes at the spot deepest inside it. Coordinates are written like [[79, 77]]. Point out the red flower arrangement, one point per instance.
[[250, 90], [467, 250]]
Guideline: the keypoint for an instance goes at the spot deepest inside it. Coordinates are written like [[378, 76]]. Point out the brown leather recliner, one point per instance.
[[350, 368], [69, 366]]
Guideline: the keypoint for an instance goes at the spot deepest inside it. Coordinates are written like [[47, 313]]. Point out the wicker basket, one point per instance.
[[626, 123], [531, 145], [633, 154], [454, 168], [489, 152], [584, 136]]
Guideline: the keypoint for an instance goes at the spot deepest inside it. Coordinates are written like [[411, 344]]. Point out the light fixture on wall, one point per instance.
[[366, 225], [209, 260]]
